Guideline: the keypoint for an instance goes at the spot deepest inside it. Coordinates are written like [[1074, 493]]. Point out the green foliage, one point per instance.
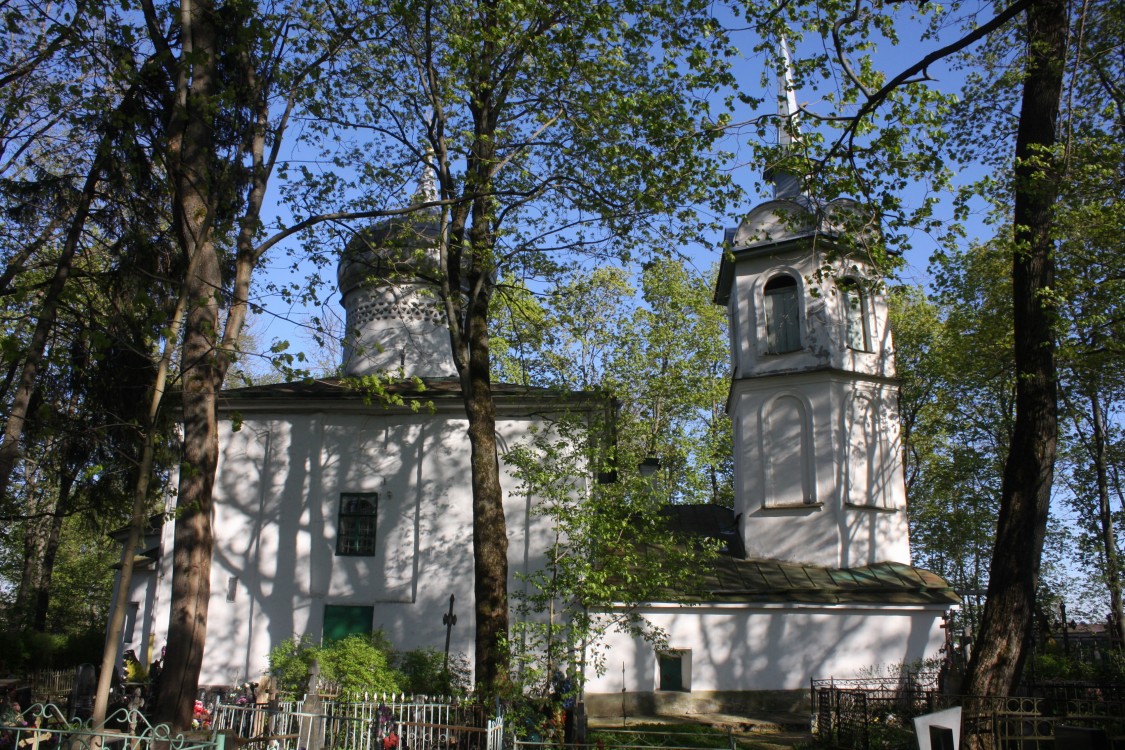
[[957, 401], [356, 663], [662, 350], [368, 663], [610, 551], [1053, 664], [671, 371], [289, 663], [863, 136], [424, 672], [599, 145], [29, 650], [359, 663]]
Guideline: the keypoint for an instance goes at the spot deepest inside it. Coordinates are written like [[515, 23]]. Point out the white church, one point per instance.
[[334, 516]]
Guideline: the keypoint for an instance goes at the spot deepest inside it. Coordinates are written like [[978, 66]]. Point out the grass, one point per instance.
[[687, 735], [662, 735]]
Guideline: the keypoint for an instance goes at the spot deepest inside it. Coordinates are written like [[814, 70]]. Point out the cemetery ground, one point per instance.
[[718, 730]]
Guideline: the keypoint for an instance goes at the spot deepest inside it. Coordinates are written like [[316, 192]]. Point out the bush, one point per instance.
[[361, 663], [357, 663], [425, 674], [289, 664], [29, 650], [1052, 664]]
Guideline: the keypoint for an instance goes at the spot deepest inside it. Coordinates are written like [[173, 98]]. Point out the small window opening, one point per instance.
[[856, 314], [783, 315], [673, 669]]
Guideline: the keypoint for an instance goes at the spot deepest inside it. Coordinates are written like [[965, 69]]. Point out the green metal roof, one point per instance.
[[731, 579]]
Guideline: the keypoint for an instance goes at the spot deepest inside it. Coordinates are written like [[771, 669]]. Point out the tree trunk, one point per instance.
[[467, 300], [191, 560], [118, 607], [116, 626], [490, 531], [1112, 570], [48, 313], [42, 531], [191, 151], [51, 550], [1004, 639], [36, 530]]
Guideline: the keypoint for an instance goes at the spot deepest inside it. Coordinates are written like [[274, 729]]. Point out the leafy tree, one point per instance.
[[80, 223], [671, 372], [664, 359], [552, 132], [1092, 202], [956, 414], [662, 354], [610, 551], [239, 71], [178, 120], [427, 671]]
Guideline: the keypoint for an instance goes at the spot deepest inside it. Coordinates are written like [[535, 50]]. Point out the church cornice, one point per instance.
[[443, 394], [819, 370], [770, 380]]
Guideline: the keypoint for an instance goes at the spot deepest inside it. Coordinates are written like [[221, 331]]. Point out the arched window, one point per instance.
[[856, 314], [783, 315]]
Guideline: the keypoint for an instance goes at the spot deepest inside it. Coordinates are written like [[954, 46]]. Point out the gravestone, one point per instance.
[[939, 731], [1081, 738], [81, 703]]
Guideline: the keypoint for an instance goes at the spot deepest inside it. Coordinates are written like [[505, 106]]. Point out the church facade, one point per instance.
[[336, 515]]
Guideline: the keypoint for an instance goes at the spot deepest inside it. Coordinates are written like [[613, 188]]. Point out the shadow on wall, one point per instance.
[[775, 651]]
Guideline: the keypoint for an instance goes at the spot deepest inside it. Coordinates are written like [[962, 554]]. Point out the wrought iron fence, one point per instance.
[[360, 725], [854, 718], [51, 685], [911, 690], [336, 726], [872, 712], [44, 727]]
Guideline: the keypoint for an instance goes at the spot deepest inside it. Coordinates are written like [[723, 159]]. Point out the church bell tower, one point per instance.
[[814, 398]]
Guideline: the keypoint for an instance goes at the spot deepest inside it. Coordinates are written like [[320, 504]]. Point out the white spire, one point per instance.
[[788, 129], [786, 185], [427, 184]]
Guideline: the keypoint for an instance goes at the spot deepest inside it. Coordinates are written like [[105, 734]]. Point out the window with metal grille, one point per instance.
[[355, 533]]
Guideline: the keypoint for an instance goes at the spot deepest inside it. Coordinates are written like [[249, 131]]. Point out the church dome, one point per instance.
[[401, 249], [395, 322]]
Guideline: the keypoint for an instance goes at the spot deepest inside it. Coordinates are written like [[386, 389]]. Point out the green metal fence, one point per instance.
[[45, 727]]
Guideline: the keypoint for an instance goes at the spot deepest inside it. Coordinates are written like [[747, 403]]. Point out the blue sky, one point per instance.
[[283, 320]]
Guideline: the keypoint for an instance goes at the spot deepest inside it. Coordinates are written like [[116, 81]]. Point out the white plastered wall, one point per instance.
[[822, 309], [855, 513], [276, 499], [748, 647]]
